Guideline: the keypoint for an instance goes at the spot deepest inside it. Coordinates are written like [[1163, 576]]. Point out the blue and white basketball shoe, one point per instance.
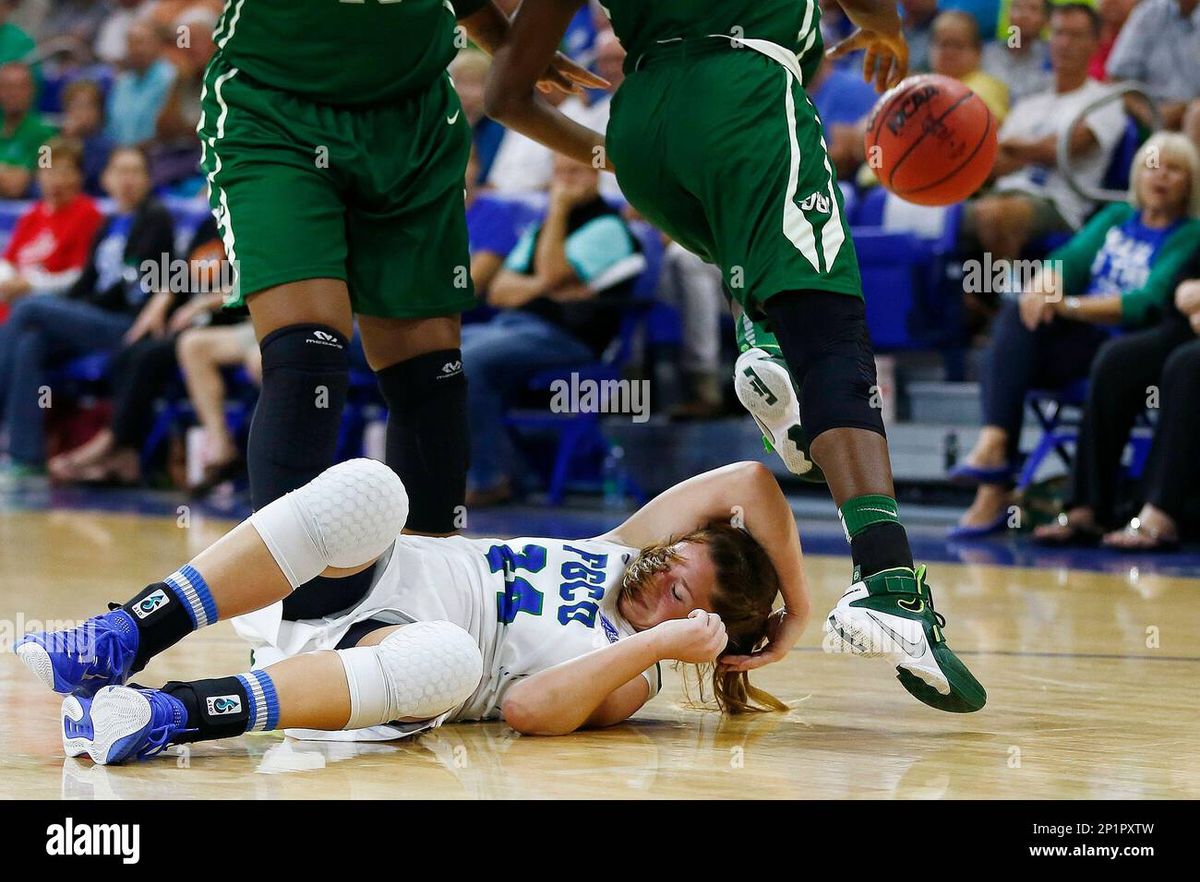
[[82, 660], [121, 723]]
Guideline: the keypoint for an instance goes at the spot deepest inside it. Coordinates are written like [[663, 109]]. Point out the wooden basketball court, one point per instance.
[[1091, 680]]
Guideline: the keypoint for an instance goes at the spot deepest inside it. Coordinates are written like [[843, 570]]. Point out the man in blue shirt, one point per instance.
[[560, 293], [139, 92]]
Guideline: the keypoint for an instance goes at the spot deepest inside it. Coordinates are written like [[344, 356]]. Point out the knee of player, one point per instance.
[[420, 672], [359, 506]]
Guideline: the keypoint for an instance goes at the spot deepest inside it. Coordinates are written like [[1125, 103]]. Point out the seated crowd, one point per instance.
[[97, 137]]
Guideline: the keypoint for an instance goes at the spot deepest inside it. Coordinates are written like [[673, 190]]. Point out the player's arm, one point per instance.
[[606, 686], [510, 99], [746, 493], [878, 33], [488, 27]]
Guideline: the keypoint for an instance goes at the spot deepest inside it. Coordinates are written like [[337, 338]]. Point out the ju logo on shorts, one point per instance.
[[818, 202], [224, 705], [151, 602]]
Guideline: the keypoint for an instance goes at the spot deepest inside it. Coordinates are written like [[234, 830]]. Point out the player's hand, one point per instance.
[[567, 76], [783, 631], [696, 640], [886, 58]]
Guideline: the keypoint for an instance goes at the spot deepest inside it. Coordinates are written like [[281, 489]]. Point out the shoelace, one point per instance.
[[158, 738], [104, 645]]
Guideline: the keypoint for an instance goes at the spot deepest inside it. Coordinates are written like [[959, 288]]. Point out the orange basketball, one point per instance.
[[931, 140]]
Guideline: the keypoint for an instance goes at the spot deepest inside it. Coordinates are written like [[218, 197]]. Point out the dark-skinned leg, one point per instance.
[[303, 329], [418, 363]]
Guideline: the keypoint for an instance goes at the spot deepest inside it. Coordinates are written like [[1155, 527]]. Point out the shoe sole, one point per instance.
[[118, 715], [766, 414], [37, 659], [73, 711]]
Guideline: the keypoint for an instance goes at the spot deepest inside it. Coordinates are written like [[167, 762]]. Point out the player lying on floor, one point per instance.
[[552, 635]]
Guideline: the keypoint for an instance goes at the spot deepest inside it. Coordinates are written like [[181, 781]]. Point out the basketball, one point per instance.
[[931, 140]]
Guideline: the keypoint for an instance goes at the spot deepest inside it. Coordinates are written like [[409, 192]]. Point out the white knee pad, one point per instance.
[[344, 517], [420, 672]]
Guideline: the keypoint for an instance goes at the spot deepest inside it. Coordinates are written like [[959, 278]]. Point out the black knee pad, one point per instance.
[[294, 433], [427, 441], [828, 350]]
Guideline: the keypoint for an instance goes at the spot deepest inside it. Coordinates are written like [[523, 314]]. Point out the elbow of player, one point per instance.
[[526, 717], [500, 103]]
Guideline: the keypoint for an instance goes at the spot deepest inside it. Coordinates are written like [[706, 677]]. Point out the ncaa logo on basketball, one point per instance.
[[150, 603], [909, 107], [224, 705]]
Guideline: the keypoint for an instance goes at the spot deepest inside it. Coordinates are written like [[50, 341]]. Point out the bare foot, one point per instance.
[[990, 502], [1068, 527], [67, 466], [1152, 530]]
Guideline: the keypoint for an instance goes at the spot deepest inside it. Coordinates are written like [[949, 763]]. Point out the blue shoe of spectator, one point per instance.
[[81, 660], [970, 475], [978, 531]]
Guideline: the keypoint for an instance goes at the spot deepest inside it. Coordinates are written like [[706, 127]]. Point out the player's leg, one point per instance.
[[418, 365], [412, 673], [278, 169], [410, 281], [337, 525], [786, 252]]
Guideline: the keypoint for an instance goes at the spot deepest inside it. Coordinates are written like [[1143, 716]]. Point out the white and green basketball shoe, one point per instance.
[[890, 615], [764, 387]]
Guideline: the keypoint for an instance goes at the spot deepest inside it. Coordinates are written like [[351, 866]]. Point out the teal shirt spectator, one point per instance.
[[15, 44], [135, 102]]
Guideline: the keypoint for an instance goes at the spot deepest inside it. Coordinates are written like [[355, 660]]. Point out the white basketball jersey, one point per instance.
[[530, 603]]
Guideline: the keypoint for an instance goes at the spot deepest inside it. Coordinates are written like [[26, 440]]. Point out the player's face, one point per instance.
[[686, 584]]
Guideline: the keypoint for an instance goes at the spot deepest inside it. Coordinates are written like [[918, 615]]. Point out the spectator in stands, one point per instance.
[[918, 31], [140, 91], [561, 292], [956, 51], [1021, 57], [203, 336], [83, 120], [1130, 372], [524, 166], [1160, 47], [469, 71], [109, 305], [22, 132], [72, 25], [1031, 198], [493, 225], [176, 153], [49, 245], [15, 44], [843, 102], [1119, 270], [1113, 15], [986, 14], [113, 35]]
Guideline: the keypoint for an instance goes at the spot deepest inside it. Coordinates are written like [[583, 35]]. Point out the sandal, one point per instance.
[[1156, 540], [1064, 534]]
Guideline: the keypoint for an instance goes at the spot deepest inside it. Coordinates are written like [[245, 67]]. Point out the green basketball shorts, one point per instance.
[[372, 196], [722, 150]]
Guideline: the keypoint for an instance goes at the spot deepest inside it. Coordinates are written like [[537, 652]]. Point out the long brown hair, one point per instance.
[[744, 594]]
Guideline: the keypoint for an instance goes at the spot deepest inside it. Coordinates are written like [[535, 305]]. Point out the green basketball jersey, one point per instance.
[[793, 24], [341, 52]]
